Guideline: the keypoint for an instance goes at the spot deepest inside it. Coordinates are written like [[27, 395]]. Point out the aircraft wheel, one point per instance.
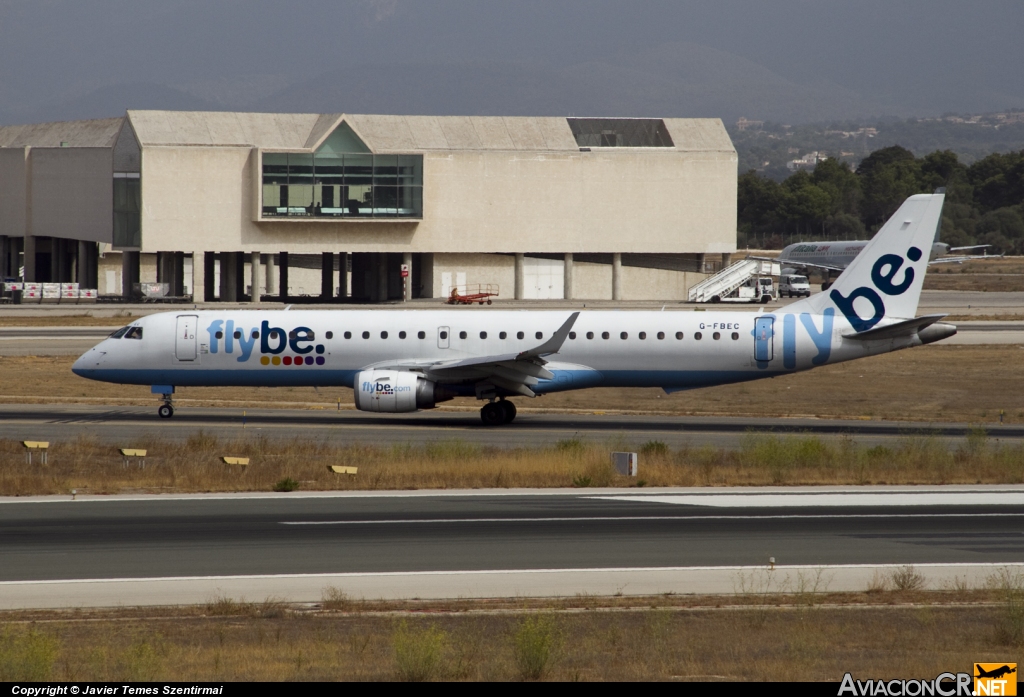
[[509, 410], [165, 411], [492, 414]]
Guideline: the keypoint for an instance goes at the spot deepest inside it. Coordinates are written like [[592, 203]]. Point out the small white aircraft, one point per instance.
[[402, 361]]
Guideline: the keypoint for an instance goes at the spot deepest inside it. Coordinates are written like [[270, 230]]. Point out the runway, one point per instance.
[[127, 425], [169, 549]]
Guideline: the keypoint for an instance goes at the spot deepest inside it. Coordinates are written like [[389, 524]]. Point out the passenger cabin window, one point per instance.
[[502, 335], [735, 336], [256, 334], [679, 335], [121, 332], [462, 335], [590, 335], [661, 335], [698, 336], [540, 335], [483, 335], [366, 335], [444, 335], [623, 336], [383, 335], [422, 335], [572, 335], [348, 335], [605, 335], [329, 335], [716, 336], [643, 335], [219, 335], [238, 334], [401, 335], [520, 335], [134, 333]]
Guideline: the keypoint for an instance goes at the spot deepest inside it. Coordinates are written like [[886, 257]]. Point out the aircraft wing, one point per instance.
[[973, 246], [515, 372], [962, 259], [794, 263]]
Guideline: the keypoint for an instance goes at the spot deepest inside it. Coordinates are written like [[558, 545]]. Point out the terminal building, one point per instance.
[[367, 208]]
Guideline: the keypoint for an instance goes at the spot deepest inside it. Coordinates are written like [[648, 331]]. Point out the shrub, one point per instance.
[[534, 644], [654, 448], [27, 656], [286, 484], [418, 652]]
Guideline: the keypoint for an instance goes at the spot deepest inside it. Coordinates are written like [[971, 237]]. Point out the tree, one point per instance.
[[888, 176]]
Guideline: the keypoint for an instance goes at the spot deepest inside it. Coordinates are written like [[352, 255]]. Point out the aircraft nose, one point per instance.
[[87, 362]]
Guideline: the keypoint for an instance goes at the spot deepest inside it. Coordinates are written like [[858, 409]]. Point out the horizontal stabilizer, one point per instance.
[[907, 327]]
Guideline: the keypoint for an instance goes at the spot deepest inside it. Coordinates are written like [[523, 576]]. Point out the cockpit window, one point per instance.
[[134, 333], [119, 333]]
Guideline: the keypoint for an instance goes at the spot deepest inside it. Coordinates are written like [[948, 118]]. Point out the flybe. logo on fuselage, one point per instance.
[[226, 337]]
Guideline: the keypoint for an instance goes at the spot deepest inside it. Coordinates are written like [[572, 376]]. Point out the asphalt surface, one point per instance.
[[128, 425], [311, 535]]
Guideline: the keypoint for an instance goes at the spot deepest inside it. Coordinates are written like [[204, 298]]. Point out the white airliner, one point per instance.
[[401, 361]]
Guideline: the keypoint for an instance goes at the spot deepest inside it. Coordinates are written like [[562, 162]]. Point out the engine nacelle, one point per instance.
[[394, 391]]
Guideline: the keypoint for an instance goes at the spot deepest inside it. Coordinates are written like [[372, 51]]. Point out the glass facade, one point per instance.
[[329, 184], [127, 210]]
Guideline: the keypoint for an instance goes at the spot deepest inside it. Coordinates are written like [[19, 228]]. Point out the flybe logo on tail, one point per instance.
[[883, 275], [228, 338]]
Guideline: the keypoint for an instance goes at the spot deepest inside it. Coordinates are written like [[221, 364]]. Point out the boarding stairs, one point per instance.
[[724, 282]]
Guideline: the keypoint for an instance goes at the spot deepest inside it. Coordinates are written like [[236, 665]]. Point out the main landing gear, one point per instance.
[[497, 413]]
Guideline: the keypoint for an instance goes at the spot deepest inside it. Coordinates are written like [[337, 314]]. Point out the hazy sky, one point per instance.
[[785, 60]]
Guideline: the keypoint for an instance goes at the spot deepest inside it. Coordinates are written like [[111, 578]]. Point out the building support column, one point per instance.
[[567, 277], [407, 281], [701, 259], [198, 277], [239, 264], [271, 288], [726, 260], [30, 259], [88, 271], [129, 273], [229, 277], [5, 256], [617, 276], [343, 276], [382, 277], [520, 279], [283, 277], [209, 276], [326, 276], [254, 276]]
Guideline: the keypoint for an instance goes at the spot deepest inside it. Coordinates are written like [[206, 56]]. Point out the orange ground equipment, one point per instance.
[[478, 293]]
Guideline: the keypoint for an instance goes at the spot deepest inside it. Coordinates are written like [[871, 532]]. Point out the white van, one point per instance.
[[791, 286]]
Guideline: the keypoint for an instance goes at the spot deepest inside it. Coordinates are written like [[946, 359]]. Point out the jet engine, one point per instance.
[[395, 391]]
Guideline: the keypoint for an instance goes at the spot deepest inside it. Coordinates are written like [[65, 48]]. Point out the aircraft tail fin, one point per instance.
[[886, 277]]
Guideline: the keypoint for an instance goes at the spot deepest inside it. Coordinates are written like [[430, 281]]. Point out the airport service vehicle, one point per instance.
[[402, 361], [792, 285]]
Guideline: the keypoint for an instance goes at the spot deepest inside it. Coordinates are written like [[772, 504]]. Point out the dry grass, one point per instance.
[[90, 466], [991, 275], [72, 318], [665, 638], [930, 383]]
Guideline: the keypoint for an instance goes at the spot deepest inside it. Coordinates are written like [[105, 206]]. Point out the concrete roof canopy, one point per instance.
[[94, 133]]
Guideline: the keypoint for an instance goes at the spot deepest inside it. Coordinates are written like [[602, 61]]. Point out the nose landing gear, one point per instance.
[[166, 392]]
